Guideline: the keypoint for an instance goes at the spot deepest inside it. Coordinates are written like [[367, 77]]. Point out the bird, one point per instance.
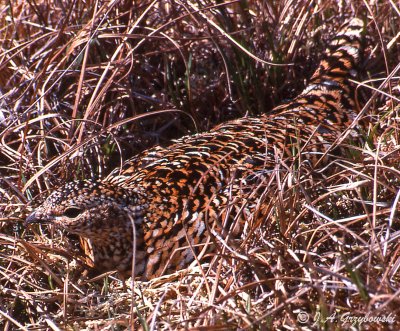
[[156, 213]]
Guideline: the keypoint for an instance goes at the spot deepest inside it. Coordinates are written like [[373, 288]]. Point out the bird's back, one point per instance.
[[188, 188]]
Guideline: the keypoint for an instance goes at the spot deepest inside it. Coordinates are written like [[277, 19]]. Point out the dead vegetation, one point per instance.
[[85, 85]]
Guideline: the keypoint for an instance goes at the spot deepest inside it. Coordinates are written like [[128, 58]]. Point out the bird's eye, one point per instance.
[[72, 212]]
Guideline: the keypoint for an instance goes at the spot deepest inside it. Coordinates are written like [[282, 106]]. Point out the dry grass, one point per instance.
[[86, 84]]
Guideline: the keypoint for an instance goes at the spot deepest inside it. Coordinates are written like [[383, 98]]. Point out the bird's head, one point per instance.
[[90, 209]]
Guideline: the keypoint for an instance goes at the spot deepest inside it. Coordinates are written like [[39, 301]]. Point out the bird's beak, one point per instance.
[[36, 217]]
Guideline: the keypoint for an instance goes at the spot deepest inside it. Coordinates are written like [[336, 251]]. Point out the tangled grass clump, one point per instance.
[[87, 84]]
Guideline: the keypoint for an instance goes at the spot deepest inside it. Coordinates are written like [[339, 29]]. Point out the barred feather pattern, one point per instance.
[[176, 196]]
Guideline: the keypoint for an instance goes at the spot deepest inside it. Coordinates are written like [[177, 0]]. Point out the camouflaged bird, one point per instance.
[[177, 196]]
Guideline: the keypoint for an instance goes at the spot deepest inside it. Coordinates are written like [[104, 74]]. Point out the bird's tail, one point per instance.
[[341, 58], [329, 96]]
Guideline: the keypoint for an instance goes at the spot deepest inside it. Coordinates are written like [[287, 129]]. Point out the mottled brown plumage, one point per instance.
[[177, 195]]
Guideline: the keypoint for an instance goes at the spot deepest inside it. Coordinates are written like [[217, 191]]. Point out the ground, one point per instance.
[[86, 85]]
